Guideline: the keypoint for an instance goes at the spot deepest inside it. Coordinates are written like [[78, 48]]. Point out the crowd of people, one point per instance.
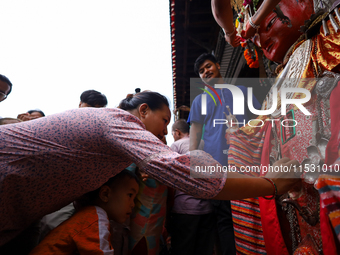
[[96, 180], [71, 155]]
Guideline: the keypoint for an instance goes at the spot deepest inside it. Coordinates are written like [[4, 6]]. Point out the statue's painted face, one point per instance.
[[280, 29]]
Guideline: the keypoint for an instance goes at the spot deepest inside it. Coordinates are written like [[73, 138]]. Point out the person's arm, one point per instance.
[[199, 175], [195, 173], [223, 15], [265, 8], [239, 186], [195, 135]]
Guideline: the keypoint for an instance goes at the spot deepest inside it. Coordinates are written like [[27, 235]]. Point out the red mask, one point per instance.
[[277, 37]]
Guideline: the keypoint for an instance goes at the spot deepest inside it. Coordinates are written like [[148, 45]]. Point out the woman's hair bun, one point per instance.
[[129, 97], [153, 99]]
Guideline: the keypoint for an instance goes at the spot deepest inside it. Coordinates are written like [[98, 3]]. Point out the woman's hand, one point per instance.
[[240, 186], [249, 32], [233, 39]]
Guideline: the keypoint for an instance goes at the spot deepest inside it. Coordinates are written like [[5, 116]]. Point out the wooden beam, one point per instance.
[[200, 43]]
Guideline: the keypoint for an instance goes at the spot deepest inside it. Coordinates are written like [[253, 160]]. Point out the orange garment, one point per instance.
[[86, 232]]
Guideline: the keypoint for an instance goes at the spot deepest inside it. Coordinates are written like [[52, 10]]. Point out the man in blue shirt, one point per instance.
[[216, 133]]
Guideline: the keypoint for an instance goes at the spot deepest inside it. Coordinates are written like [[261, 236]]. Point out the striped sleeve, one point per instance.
[[329, 189]]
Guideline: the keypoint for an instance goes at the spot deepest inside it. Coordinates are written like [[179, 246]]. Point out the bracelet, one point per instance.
[[252, 24], [228, 34], [274, 186]]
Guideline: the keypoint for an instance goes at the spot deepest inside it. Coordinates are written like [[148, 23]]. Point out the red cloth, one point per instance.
[[272, 234], [334, 141], [329, 245]]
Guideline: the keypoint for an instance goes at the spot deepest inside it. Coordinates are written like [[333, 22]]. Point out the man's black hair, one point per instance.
[[7, 81], [200, 60], [93, 98], [39, 111]]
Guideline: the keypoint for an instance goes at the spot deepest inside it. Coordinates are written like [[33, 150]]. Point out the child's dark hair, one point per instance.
[[153, 99], [90, 197], [200, 60]]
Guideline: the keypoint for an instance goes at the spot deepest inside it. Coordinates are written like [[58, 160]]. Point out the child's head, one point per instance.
[[116, 196]]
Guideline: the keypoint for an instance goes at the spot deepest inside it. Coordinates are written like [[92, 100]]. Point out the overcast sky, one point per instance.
[[54, 50]]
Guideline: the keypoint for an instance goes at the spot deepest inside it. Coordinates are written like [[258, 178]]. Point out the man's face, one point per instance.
[[209, 71], [277, 37], [36, 115], [4, 88]]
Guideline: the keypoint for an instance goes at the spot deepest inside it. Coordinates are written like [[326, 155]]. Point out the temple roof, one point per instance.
[[194, 31]]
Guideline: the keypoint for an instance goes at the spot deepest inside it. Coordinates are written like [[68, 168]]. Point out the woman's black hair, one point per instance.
[[153, 99]]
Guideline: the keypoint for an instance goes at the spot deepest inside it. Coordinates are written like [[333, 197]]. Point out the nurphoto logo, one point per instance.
[[238, 105], [238, 100]]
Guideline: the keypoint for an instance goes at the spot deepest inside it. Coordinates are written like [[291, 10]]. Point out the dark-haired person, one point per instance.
[[92, 98], [216, 136], [51, 161], [151, 203], [31, 115], [5, 87], [88, 230], [36, 113]]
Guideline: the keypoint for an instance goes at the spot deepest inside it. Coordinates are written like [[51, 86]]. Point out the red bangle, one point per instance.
[[274, 186]]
